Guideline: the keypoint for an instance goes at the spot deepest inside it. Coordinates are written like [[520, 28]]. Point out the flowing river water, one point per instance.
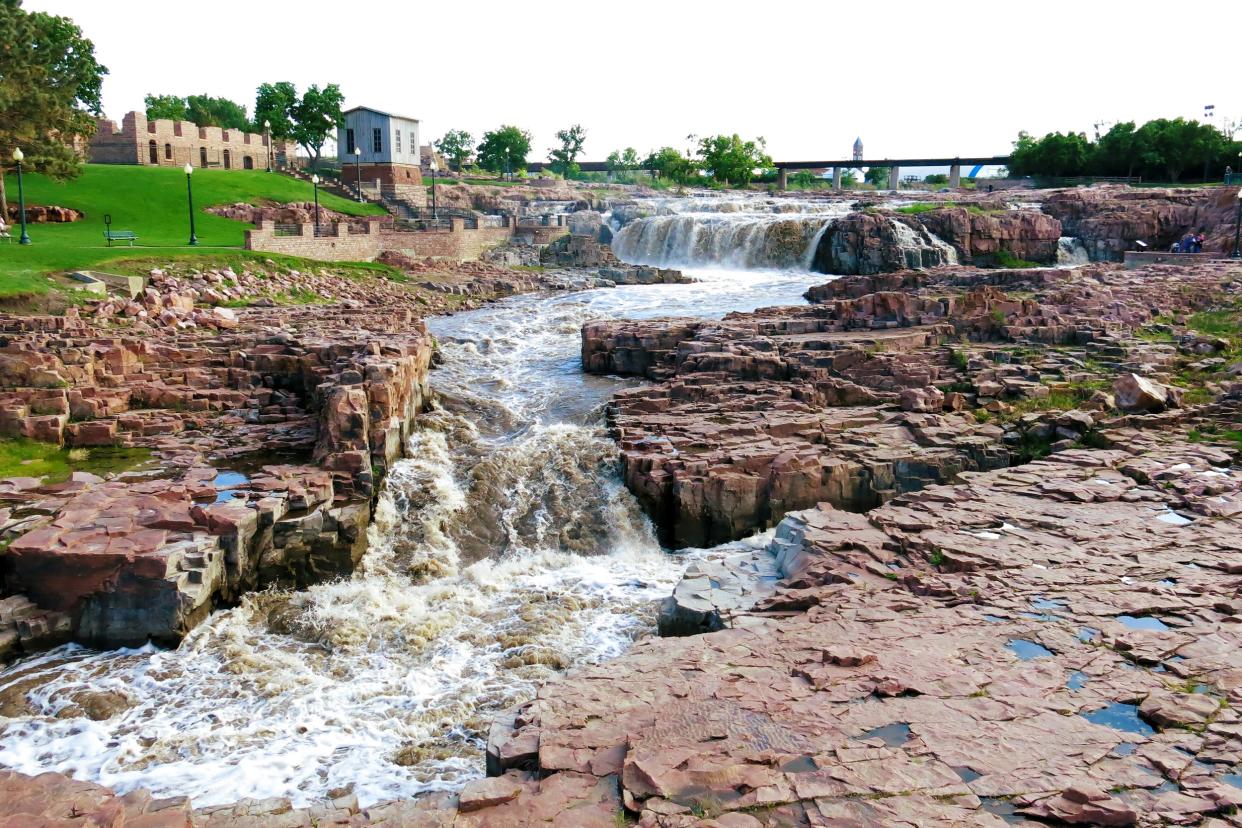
[[504, 550]]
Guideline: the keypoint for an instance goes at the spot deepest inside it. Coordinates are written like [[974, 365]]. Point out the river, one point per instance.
[[504, 550]]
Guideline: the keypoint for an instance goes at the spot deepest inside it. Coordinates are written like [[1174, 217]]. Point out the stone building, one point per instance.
[[858, 149], [168, 143]]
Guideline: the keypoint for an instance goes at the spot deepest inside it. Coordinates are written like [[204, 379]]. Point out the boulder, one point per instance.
[[1136, 393]]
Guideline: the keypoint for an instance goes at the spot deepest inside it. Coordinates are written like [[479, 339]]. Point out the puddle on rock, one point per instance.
[[1234, 779], [966, 774], [803, 764], [1077, 680], [1142, 622], [1125, 748], [1087, 634], [1120, 716], [1002, 808], [893, 735], [1028, 650]]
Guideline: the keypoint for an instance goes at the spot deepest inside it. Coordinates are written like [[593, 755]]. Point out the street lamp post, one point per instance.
[[189, 191], [1237, 228], [21, 196], [434, 213], [267, 131], [358, 168], [315, 180]]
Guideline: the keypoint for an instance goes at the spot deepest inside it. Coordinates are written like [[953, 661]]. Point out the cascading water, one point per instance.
[[1071, 252], [503, 550], [753, 234]]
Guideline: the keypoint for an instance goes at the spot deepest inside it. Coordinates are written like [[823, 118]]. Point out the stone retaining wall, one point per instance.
[[337, 243]]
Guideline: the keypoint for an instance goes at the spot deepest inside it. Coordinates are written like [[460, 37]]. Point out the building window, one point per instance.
[[168, 152], [377, 140], [396, 147], [155, 156], [349, 141]]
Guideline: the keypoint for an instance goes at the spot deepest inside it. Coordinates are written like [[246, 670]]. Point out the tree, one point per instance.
[[623, 160], [1171, 147], [274, 104], [730, 160], [456, 147], [936, 178], [1055, 154], [49, 91], [668, 163], [315, 117], [504, 150], [564, 158], [877, 176], [205, 110], [1117, 151], [169, 107]]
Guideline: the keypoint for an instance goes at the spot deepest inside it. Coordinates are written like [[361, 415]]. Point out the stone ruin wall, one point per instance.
[[180, 142]]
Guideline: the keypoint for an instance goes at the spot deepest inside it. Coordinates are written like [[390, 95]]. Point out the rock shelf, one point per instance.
[[1003, 586]]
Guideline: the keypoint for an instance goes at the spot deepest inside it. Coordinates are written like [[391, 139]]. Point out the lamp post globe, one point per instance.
[[18, 157], [267, 133], [189, 193], [358, 169]]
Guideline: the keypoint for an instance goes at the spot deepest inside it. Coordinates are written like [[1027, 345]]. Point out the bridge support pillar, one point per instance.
[[836, 178], [955, 176], [894, 177], [782, 179]]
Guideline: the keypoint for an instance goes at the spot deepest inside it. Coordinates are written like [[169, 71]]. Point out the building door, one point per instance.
[[202, 156], [248, 163], [154, 152], [227, 163]]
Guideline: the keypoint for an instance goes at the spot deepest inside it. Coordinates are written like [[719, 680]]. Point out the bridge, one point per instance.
[[838, 167], [894, 167]]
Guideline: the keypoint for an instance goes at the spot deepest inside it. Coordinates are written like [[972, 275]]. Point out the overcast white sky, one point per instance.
[[949, 77]]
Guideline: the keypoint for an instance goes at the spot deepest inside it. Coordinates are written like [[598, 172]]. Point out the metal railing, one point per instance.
[[323, 230], [287, 230]]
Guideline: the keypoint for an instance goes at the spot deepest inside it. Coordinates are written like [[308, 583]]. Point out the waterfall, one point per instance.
[[922, 248], [721, 239], [1071, 252]]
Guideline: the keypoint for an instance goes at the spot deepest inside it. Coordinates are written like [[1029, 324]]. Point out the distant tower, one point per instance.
[[858, 149]]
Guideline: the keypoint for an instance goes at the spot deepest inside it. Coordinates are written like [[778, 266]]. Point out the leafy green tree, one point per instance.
[[848, 178], [802, 178], [169, 107], [274, 104], [1170, 147], [936, 178], [730, 160], [1118, 151], [565, 157], [877, 176], [49, 91], [668, 163], [456, 146], [316, 116], [1055, 154], [504, 150], [205, 110], [620, 160]]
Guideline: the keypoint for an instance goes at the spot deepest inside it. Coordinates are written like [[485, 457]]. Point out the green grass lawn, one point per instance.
[[151, 201]]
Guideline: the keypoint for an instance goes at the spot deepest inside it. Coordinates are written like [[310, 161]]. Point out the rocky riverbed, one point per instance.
[[1000, 517]]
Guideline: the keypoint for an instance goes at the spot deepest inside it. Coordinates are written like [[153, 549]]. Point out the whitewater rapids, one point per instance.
[[504, 550]]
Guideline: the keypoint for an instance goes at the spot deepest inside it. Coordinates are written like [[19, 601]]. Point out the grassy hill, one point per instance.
[[151, 201]]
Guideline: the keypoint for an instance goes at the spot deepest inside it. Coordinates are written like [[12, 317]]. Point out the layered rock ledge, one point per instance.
[[269, 429]]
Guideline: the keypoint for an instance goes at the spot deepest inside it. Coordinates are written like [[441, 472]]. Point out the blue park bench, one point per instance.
[[120, 235]]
